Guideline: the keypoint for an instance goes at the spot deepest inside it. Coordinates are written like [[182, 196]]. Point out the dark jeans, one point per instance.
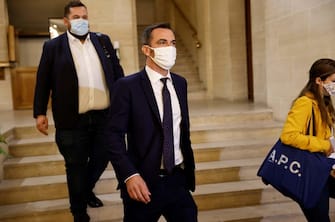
[[85, 155], [169, 198]]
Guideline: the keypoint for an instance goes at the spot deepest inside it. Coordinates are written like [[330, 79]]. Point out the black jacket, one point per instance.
[[134, 113], [57, 75]]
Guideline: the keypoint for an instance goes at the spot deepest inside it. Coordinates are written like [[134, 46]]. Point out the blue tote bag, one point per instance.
[[296, 173]]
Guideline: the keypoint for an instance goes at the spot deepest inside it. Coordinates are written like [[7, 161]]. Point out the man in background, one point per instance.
[[78, 68]]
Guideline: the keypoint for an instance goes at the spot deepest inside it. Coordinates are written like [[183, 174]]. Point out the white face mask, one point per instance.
[[79, 26], [165, 57], [330, 87]]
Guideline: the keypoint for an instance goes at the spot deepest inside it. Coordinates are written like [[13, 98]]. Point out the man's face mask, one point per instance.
[[165, 57], [79, 26], [330, 88]]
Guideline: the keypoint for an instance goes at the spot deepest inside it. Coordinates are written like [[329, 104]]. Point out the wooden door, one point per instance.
[[23, 87]]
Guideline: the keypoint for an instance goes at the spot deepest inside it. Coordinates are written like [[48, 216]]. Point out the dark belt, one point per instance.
[[164, 172], [95, 112]]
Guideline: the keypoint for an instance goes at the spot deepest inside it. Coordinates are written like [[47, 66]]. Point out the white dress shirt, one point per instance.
[[93, 92]]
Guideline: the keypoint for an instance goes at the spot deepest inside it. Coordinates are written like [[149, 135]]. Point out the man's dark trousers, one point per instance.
[[85, 156]]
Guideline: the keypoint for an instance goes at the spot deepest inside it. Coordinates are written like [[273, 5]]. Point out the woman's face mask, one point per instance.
[[79, 26], [330, 88]]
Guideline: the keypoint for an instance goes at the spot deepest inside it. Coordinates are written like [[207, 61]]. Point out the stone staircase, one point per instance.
[[229, 142]]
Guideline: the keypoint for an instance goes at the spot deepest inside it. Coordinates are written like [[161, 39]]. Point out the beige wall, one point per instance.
[[117, 18], [5, 85], [288, 36], [222, 57]]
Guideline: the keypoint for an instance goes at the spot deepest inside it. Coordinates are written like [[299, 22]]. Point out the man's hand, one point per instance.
[[138, 190], [42, 124]]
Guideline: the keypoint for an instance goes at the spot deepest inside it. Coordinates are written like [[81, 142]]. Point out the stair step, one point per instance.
[[208, 197], [227, 170], [112, 212], [254, 213], [47, 187], [219, 133], [209, 148], [44, 165], [35, 166], [231, 149], [272, 212], [209, 151], [54, 187], [33, 148], [58, 210], [235, 194], [212, 119], [29, 134]]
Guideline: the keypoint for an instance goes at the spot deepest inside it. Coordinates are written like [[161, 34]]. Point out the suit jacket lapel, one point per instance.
[[147, 88], [67, 52], [96, 43], [99, 50]]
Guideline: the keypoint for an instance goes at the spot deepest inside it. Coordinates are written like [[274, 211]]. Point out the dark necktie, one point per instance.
[[168, 145]]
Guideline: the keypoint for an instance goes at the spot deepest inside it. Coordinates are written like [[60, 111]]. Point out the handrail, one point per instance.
[[195, 33]]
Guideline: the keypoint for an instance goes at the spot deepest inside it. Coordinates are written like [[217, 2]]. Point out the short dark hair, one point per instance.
[[146, 36], [72, 4]]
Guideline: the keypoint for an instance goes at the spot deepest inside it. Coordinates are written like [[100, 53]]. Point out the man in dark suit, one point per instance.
[[150, 108], [78, 68]]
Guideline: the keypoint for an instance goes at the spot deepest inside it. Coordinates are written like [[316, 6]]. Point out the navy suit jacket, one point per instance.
[[57, 74], [134, 113]]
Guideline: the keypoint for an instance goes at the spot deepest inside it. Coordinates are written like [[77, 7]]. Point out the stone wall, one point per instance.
[[288, 36], [222, 57], [117, 18]]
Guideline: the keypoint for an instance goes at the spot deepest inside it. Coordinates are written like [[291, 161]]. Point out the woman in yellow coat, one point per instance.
[[313, 110]]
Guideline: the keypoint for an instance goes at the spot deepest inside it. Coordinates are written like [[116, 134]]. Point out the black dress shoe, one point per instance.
[[93, 201], [81, 217]]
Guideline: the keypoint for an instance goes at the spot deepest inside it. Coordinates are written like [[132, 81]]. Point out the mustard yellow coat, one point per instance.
[[295, 127]]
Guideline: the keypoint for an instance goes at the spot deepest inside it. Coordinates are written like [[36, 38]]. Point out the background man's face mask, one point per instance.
[[79, 26], [330, 88], [165, 57]]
